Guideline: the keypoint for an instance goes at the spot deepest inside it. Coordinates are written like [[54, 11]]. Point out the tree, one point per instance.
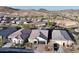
[[50, 23], [8, 19], [27, 26]]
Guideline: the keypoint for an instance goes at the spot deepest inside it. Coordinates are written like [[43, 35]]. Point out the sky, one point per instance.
[[46, 7]]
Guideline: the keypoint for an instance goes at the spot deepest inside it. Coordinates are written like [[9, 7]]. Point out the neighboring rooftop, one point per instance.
[[7, 31], [60, 35], [39, 33], [15, 34], [25, 33]]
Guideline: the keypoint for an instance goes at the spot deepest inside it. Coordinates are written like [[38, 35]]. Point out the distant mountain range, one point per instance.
[[7, 9], [41, 11]]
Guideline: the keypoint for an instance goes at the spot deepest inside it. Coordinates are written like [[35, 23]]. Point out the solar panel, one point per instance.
[[25, 33], [65, 34], [8, 31]]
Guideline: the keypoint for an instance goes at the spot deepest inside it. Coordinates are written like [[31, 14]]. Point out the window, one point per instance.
[[63, 44], [67, 45]]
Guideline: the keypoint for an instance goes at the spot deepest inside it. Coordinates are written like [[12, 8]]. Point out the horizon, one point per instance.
[[46, 7]]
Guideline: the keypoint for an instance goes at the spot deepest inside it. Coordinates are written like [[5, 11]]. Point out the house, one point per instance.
[[17, 18], [44, 19], [13, 22], [18, 22], [3, 21], [13, 37], [62, 37], [39, 24], [23, 21], [19, 36], [36, 19], [38, 36]]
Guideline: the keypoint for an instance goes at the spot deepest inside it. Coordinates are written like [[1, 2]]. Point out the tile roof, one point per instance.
[[39, 33], [15, 34], [60, 35]]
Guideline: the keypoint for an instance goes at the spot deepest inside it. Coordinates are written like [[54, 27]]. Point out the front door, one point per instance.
[[63, 44], [56, 46]]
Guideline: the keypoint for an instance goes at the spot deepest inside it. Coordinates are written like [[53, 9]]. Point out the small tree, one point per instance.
[[8, 19], [50, 23], [27, 26]]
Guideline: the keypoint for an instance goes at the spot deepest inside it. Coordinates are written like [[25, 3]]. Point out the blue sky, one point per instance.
[[46, 7]]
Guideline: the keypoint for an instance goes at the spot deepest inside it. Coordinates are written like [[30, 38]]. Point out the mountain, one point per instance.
[[13, 11], [7, 9]]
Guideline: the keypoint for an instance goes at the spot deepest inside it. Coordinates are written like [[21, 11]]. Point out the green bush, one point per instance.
[[71, 29], [27, 26], [50, 23]]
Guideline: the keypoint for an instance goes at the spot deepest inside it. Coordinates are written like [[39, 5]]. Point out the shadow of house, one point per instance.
[[16, 50]]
